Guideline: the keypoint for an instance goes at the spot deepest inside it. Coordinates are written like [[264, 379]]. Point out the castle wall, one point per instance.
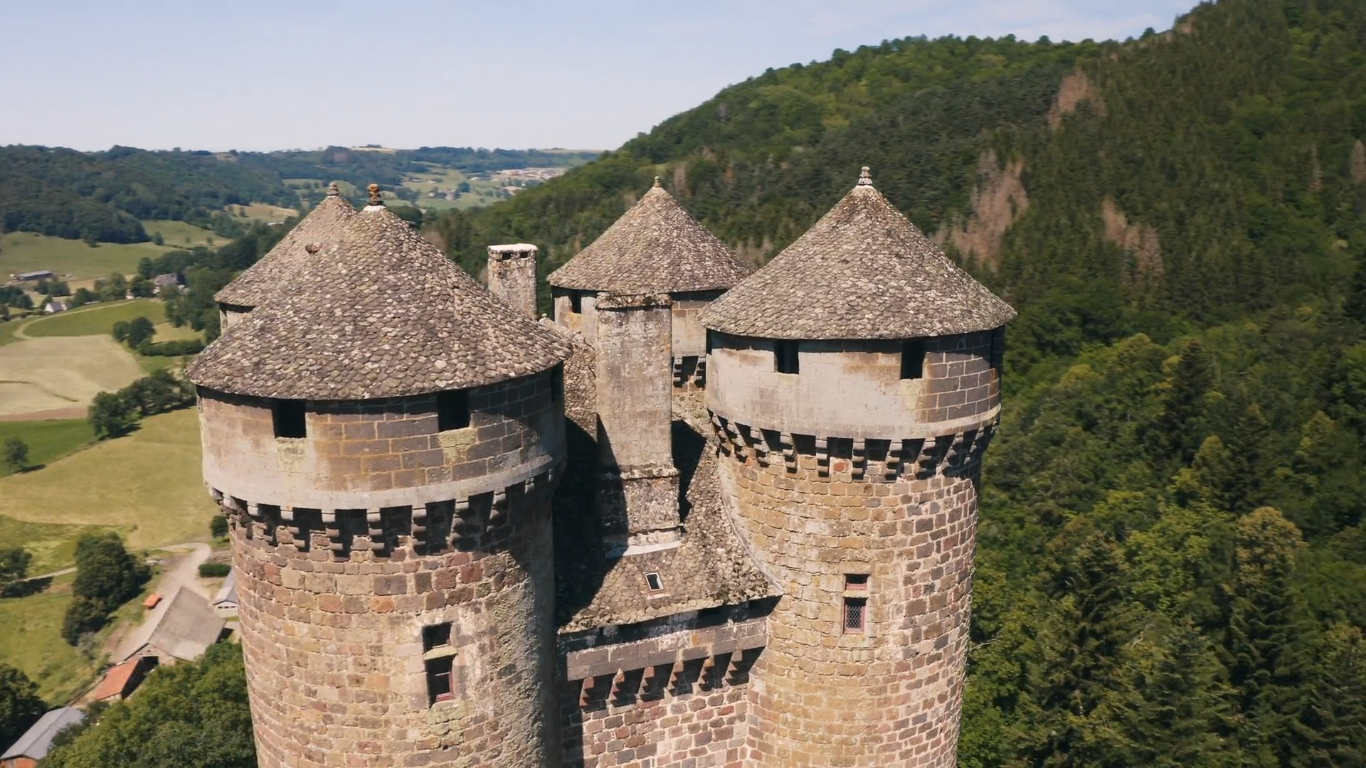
[[389, 449], [672, 694], [585, 321], [334, 640], [854, 389], [890, 694], [857, 490], [512, 276], [350, 541]]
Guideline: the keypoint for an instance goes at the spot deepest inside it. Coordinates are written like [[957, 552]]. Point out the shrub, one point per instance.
[[214, 570]]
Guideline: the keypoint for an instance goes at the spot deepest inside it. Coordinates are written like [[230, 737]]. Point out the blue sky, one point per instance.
[[252, 75]]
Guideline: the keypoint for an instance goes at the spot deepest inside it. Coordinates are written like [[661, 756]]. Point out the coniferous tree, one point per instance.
[[1184, 407], [1261, 628], [1331, 730]]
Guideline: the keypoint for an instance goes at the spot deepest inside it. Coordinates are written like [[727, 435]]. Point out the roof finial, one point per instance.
[[333, 190], [375, 198], [865, 179], [657, 184]]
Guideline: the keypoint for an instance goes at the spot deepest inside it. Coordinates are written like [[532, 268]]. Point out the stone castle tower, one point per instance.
[[699, 519], [855, 385], [384, 437]]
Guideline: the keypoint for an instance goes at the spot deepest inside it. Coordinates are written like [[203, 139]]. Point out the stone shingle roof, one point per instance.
[[712, 567], [379, 313], [655, 247], [862, 272], [187, 628], [277, 268]]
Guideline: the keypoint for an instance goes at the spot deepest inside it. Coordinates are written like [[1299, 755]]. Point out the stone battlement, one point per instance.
[[465, 524], [921, 457]]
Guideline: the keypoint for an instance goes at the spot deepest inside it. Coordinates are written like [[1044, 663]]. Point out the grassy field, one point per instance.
[[262, 212], [27, 252], [62, 372], [147, 486], [48, 440], [32, 641], [178, 234], [95, 319], [53, 546]]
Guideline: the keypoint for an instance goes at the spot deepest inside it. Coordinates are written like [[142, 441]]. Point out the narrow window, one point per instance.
[[855, 615], [656, 583], [557, 383], [436, 636], [439, 679], [856, 582], [288, 418], [913, 359], [453, 409], [576, 302], [785, 356], [438, 659]]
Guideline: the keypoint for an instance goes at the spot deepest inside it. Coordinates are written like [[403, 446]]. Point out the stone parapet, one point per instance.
[[512, 276]]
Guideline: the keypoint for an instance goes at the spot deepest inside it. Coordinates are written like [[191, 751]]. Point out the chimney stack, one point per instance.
[[638, 491], [512, 276]]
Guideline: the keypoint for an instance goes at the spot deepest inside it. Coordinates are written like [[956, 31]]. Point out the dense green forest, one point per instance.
[[1171, 564], [101, 196]]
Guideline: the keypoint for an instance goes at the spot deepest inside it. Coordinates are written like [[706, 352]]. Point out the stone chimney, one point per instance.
[[512, 276], [638, 491]]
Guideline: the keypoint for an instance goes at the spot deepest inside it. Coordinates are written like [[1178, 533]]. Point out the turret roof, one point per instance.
[[278, 267], [655, 247], [379, 313], [862, 272]]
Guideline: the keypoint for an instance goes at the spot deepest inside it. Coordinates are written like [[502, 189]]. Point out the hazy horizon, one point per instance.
[[269, 77]]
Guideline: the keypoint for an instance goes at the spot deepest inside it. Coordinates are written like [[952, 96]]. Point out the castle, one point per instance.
[[700, 518]]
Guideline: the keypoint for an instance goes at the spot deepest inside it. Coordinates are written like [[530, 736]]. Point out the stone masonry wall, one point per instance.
[[391, 450], [674, 699], [334, 638], [854, 389], [512, 276], [890, 695]]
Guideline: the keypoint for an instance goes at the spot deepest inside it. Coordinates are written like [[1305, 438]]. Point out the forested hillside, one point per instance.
[[101, 196], [1172, 563]]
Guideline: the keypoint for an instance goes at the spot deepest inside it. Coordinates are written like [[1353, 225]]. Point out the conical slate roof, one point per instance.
[[379, 313], [862, 272], [278, 267], [655, 247]]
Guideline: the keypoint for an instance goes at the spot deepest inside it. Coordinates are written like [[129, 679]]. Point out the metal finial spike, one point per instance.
[[333, 189], [657, 184], [865, 179], [375, 198]]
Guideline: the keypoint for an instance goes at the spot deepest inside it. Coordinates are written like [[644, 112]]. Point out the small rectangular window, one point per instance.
[[576, 302], [436, 636], [913, 359], [453, 409], [856, 582], [785, 356], [439, 686], [557, 383], [288, 418], [654, 581], [855, 615]]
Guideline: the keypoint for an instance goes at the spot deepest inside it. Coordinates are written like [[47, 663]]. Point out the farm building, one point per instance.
[[185, 630], [225, 602], [121, 680], [34, 744]]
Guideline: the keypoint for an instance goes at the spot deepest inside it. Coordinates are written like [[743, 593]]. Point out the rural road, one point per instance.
[[183, 572]]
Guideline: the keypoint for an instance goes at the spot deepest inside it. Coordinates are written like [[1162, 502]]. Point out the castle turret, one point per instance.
[[512, 276], [384, 438], [655, 247], [280, 267], [855, 383]]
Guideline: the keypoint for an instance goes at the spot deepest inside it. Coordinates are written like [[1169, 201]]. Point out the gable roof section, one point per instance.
[[655, 247], [379, 313], [862, 272], [278, 267], [37, 740], [187, 628]]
